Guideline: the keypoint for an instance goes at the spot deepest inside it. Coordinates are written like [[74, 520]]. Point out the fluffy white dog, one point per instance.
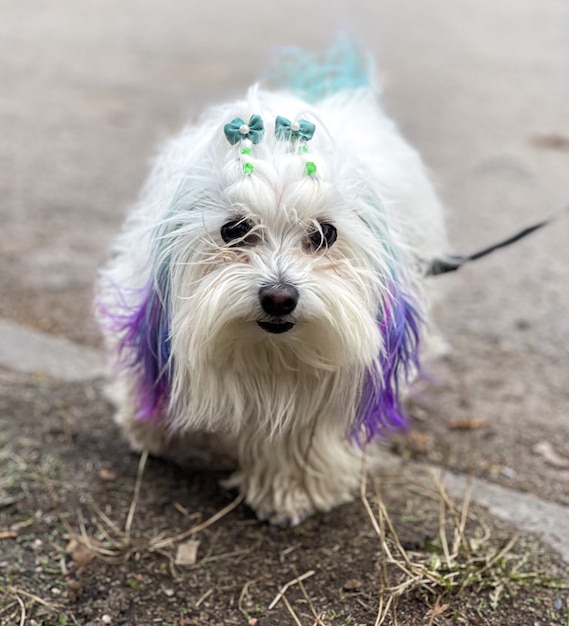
[[269, 285]]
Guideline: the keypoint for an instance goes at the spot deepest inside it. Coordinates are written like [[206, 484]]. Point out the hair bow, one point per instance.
[[287, 130], [237, 130]]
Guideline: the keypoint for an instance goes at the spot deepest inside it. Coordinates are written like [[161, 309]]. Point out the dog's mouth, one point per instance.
[[276, 328]]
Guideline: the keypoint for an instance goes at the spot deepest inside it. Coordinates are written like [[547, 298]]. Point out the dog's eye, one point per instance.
[[237, 232], [322, 237]]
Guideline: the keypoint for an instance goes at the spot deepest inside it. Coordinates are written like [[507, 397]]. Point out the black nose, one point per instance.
[[280, 299]]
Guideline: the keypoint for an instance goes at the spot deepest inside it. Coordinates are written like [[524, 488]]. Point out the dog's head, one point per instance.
[[273, 262]]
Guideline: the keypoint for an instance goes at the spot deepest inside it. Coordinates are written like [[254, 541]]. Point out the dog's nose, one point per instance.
[[280, 299]]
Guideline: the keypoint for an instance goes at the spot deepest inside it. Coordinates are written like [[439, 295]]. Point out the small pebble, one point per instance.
[[106, 619], [107, 474], [558, 604], [352, 585], [508, 472]]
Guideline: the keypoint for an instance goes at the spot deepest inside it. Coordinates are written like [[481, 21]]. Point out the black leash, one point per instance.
[[452, 262]]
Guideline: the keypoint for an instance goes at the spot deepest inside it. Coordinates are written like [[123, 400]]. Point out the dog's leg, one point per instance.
[[141, 435], [299, 473]]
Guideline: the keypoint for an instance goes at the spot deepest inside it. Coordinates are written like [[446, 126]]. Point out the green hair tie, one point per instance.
[[310, 168]]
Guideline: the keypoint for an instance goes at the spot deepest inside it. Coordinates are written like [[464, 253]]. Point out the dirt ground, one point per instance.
[[67, 489]]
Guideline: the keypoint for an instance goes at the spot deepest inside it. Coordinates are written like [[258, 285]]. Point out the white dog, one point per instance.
[[269, 286]]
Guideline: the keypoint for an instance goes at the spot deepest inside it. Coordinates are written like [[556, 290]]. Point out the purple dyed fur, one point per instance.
[[380, 407], [145, 347]]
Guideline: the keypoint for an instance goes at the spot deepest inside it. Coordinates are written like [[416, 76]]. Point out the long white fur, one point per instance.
[[287, 400]]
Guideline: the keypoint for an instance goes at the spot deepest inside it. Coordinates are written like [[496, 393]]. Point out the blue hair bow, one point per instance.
[[287, 130], [237, 130]]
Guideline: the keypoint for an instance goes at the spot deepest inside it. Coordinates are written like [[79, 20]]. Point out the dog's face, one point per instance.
[[280, 262]]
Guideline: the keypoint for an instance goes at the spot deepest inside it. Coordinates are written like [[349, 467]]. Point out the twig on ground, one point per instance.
[[228, 555], [50, 605], [196, 529], [22, 609], [8, 534], [7, 607], [204, 597], [108, 521], [459, 521], [242, 596], [499, 554], [365, 501], [290, 583], [135, 497], [442, 529], [308, 599], [436, 611], [291, 611], [185, 512]]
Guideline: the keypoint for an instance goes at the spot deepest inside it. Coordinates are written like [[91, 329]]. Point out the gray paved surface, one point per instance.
[[88, 90], [526, 511], [33, 352]]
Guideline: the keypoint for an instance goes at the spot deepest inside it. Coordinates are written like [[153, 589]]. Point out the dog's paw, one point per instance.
[[142, 436], [285, 505], [289, 508], [285, 502]]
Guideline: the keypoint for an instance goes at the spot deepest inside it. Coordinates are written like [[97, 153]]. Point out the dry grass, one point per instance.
[[456, 562]]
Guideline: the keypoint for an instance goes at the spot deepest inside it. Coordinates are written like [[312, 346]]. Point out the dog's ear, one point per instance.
[[380, 407], [145, 347]]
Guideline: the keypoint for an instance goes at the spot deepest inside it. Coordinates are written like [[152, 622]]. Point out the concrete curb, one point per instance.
[[33, 352], [524, 510]]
